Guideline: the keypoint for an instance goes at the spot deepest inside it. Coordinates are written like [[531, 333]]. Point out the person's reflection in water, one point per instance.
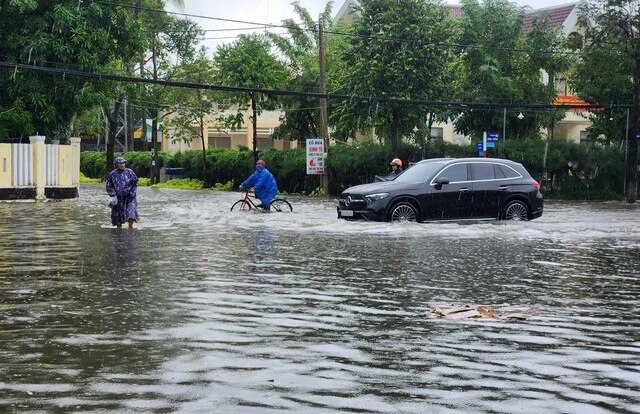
[[121, 289], [124, 251], [264, 252]]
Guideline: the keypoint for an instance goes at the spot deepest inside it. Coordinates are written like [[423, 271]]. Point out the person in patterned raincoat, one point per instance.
[[122, 186]]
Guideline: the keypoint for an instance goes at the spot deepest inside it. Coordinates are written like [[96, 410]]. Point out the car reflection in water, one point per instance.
[[448, 189]]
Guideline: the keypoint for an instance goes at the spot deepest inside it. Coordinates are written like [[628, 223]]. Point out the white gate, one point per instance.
[[52, 165], [22, 165]]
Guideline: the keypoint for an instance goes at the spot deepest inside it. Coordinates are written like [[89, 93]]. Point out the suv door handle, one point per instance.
[[463, 190], [502, 187]]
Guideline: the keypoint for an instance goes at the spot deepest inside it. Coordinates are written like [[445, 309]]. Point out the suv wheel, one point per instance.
[[403, 211], [516, 210]]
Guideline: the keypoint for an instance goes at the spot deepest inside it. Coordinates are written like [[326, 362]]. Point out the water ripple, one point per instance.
[[204, 310]]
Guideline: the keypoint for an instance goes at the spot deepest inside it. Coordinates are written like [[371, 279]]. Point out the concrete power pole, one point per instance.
[[324, 128]]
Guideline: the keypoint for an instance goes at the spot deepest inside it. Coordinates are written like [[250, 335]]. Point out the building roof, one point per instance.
[[455, 11], [554, 16], [557, 15], [570, 100]]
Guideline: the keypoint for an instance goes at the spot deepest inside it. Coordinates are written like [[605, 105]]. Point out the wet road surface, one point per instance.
[[204, 310]]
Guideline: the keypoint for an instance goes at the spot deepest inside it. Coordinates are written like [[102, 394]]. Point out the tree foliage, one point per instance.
[[396, 49], [502, 64], [248, 62], [609, 69], [84, 36], [191, 108], [171, 43], [300, 48]]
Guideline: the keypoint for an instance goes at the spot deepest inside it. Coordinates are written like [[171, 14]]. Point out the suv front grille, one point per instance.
[[352, 201]]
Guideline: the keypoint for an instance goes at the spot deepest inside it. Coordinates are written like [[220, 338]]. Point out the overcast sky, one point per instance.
[[271, 12]]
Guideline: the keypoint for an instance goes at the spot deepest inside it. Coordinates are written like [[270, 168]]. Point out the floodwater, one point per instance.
[[203, 310]]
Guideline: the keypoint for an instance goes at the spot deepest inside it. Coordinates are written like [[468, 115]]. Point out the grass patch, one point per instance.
[[228, 186], [84, 179], [182, 183], [144, 181]]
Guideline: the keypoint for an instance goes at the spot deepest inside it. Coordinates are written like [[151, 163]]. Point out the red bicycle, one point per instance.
[[248, 202]]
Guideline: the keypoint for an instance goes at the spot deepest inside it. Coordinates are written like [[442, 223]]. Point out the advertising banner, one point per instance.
[[315, 156]]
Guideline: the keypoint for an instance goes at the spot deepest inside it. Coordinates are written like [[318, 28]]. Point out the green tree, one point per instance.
[[609, 69], [248, 62], [171, 43], [64, 34], [500, 64], [396, 49], [190, 108], [300, 48]]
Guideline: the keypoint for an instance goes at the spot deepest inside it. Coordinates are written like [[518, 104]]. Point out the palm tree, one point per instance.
[[300, 49]]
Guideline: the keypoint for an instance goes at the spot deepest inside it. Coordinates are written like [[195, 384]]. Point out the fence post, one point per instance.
[[39, 164], [75, 160], [6, 170]]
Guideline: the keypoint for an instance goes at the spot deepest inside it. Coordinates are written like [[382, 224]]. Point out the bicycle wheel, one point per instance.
[[281, 205], [241, 205]]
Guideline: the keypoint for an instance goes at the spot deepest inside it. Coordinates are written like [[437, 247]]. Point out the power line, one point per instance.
[[266, 26], [127, 6], [235, 37], [190, 85]]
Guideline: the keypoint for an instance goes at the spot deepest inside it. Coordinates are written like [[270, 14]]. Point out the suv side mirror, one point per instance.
[[440, 181]]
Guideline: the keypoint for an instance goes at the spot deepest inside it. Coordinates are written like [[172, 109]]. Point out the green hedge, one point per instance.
[[571, 171], [92, 163]]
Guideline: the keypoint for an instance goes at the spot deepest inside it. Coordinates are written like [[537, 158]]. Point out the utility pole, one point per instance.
[[504, 123], [324, 129]]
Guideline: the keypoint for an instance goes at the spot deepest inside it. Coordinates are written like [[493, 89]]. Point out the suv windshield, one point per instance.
[[421, 172]]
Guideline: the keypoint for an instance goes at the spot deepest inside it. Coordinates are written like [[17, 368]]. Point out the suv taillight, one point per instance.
[[536, 184]]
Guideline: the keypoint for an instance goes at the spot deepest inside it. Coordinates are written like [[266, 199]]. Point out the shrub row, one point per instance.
[[568, 170], [92, 163]]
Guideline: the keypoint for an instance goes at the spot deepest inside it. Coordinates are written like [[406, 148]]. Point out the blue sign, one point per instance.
[[492, 137], [490, 144], [479, 146]]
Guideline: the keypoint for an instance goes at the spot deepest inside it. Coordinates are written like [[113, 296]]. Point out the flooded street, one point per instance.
[[203, 310]]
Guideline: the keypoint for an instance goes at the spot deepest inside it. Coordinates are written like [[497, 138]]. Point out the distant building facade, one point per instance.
[[220, 137]]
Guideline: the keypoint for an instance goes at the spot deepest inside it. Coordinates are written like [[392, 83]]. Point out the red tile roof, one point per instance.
[[554, 16], [455, 11], [570, 100]]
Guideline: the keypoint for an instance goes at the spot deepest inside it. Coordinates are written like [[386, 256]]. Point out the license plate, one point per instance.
[[346, 213]]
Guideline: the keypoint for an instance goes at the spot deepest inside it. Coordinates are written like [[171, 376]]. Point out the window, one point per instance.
[[224, 104], [437, 133], [575, 41], [482, 171], [498, 172], [264, 143], [584, 137], [456, 172], [561, 86], [508, 171], [220, 142]]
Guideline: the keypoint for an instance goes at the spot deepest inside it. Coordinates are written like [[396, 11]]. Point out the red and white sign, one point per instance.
[[315, 156]]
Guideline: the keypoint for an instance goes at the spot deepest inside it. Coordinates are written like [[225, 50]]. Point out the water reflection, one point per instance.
[[203, 310], [123, 259]]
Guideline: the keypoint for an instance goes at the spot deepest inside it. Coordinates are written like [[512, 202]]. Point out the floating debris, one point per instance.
[[503, 311]]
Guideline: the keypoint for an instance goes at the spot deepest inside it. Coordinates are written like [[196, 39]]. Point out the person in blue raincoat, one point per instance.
[[263, 184], [122, 187]]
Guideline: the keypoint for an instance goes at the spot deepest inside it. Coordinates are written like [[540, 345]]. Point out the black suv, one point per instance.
[[448, 189]]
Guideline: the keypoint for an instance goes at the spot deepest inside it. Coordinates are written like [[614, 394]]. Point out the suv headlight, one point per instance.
[[375, 197]]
